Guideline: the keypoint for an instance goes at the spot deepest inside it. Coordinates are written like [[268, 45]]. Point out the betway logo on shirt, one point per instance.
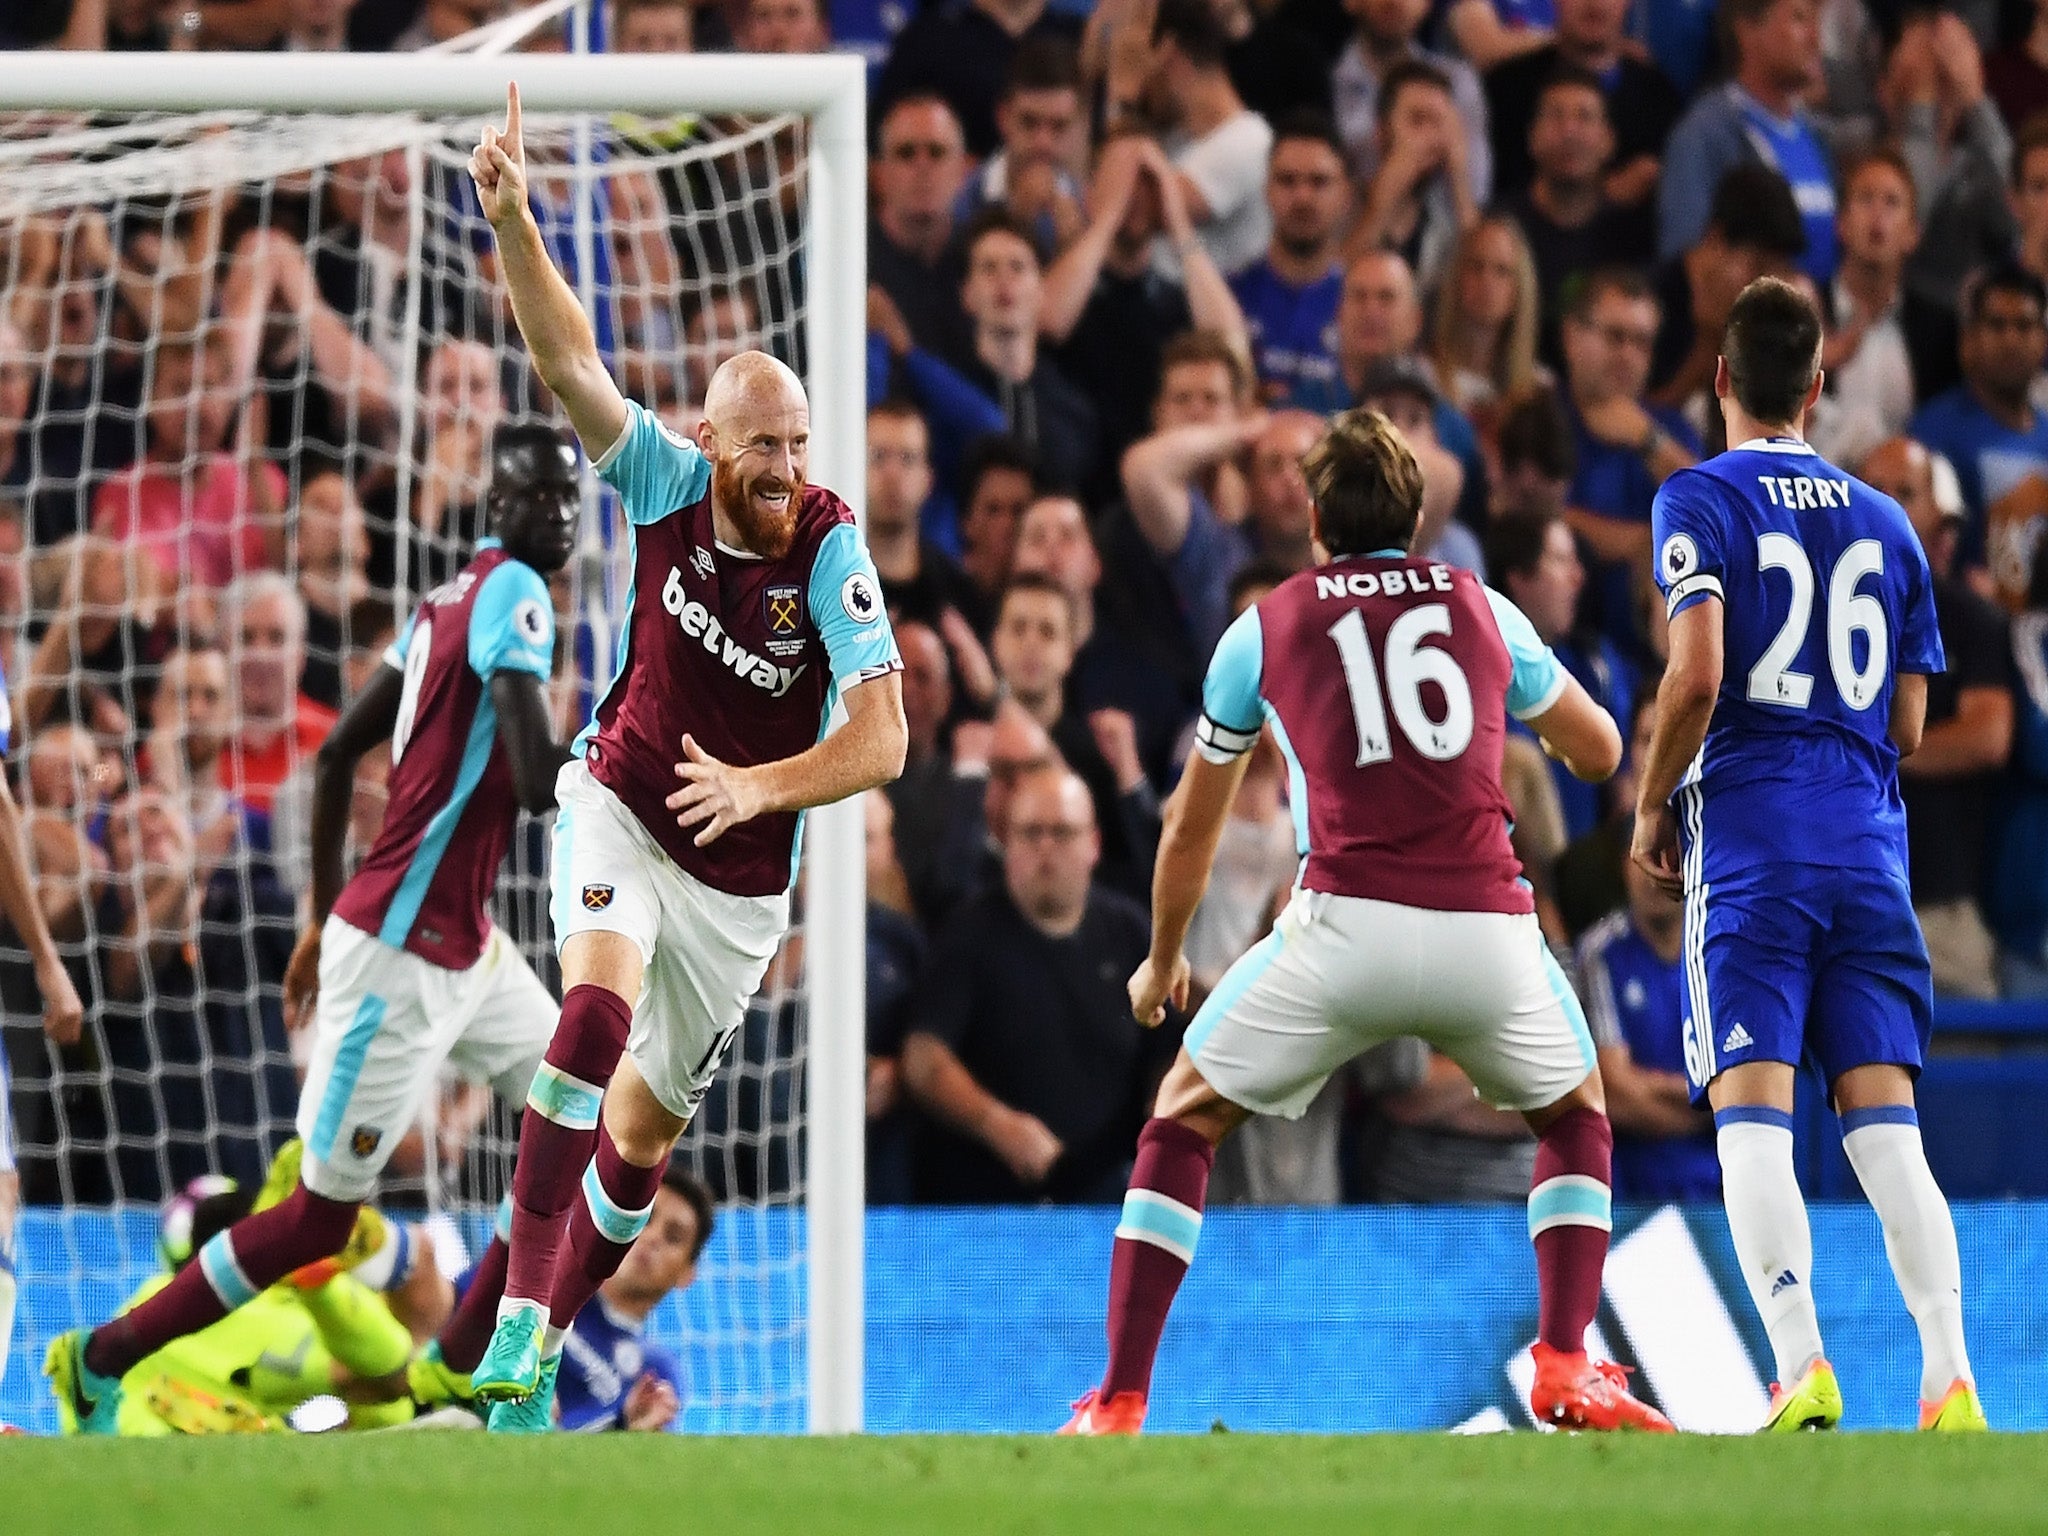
[[701, 625]]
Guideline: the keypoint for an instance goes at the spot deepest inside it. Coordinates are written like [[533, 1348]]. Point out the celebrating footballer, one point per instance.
[[755, 608]]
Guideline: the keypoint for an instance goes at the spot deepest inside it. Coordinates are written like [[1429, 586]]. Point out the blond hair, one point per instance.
[[1512, 367]]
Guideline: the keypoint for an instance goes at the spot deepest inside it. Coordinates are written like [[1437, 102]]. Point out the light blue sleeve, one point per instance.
[[846, 605], [1232, 711], [654, 471], [395, 652], [512, 624], [1539, 678], [1686, 532]]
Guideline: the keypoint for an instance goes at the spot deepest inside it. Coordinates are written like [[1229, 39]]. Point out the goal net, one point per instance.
[[251, 358]]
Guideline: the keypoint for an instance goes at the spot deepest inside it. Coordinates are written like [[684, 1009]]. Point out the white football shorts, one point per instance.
[[705, 951], [1340, 974], [385, 1022]]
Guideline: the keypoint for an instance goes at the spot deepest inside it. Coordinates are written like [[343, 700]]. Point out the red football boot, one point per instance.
[[1573, 1392], [1094, 1414]]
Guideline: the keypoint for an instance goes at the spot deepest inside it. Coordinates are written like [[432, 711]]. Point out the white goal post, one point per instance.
[[830, 91]]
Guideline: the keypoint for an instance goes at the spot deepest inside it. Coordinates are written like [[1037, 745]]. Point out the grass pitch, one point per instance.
[[589, 1485]]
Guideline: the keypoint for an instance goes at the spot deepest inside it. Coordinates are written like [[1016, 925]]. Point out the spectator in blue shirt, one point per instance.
[[1289, 296], [1756, 116], [1990, 430], [1632, 977], [612, 1378], [1625, 447], [1185, 492]]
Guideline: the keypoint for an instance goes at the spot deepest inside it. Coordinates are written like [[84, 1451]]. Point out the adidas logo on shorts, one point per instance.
[[1737, 1039]]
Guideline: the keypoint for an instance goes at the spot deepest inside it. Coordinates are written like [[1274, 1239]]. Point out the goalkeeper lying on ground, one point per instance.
[[322, 1333]]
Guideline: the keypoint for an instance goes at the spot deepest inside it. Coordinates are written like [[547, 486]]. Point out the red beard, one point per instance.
[[761, 533]]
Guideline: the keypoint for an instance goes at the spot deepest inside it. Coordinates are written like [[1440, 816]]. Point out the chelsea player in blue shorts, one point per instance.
[[1802, 633]]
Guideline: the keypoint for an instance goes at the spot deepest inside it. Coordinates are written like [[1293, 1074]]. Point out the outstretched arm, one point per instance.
[[556, 331], [864, 753]]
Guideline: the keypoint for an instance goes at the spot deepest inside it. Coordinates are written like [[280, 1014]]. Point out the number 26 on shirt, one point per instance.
[[1772, 680]]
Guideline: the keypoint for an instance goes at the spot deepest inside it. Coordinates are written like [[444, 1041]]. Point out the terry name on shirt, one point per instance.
[[1803, 492]]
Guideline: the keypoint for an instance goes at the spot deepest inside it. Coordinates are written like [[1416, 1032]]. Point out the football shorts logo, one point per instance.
[[858, 597], [1681, 558], [596, 897], [363, 1140], [530, 621], [784, 609]]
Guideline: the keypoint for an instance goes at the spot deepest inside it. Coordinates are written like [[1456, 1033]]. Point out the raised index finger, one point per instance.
[[512, 111]]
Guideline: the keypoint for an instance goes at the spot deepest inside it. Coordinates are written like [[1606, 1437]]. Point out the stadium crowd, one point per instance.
[[1122, 266]]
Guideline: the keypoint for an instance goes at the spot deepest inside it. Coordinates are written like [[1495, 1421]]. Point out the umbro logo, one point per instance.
[[1737, 1039], [700, 562], [1783, 1281]]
